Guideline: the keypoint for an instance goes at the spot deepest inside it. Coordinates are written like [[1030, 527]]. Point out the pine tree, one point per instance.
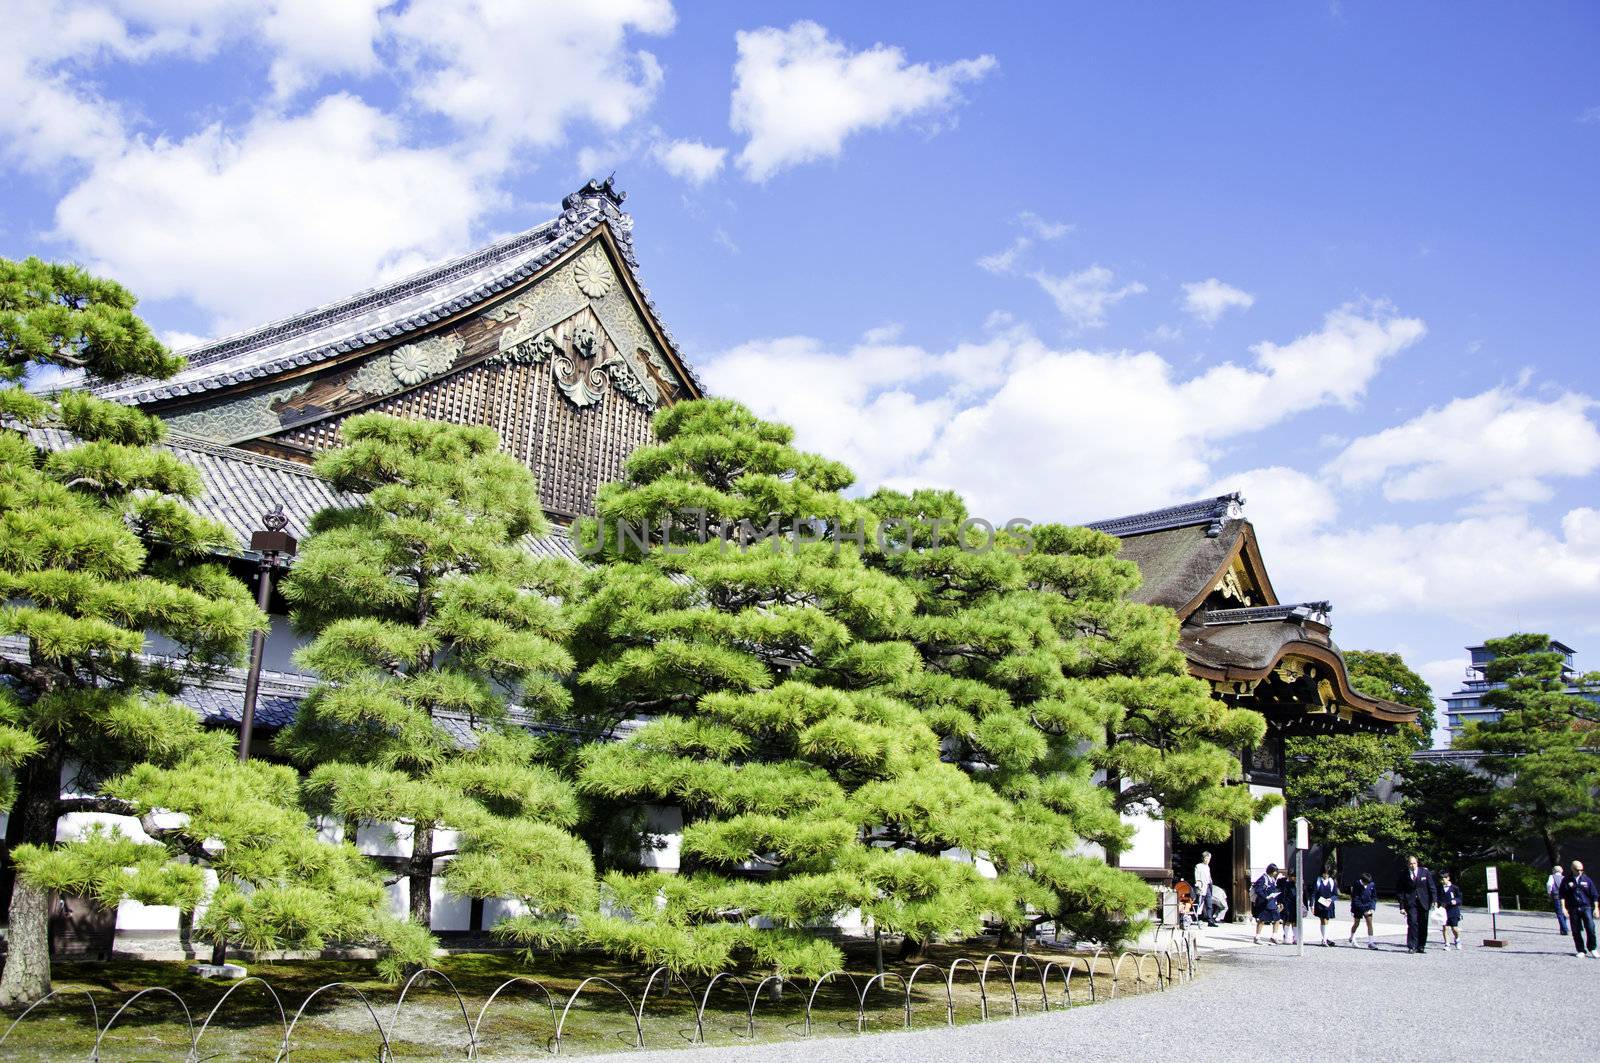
[[1450, 814], [1386, 675], [437, 638], [1040, 679], [274, 884], [758, 661], [97, 550], [1330, 778], [1545, 750]]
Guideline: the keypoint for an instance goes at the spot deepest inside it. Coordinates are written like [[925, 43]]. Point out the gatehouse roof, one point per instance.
[[1201, 559]]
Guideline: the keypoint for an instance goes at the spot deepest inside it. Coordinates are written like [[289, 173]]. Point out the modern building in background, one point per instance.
[[1466, 705]]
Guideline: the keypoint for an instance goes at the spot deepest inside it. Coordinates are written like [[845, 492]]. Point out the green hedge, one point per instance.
[[1516, 880]]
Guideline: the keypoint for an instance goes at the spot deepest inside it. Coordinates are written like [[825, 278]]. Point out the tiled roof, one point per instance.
[[1257, 614], [1212, 512], [238, 486], [407, 305]]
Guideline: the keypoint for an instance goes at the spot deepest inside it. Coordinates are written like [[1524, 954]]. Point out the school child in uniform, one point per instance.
[[1323, 895], [1363, 902], [1264, 902], [1450, 901]]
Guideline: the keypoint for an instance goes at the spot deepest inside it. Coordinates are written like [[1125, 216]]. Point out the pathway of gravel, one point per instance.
[[1533, 1000]]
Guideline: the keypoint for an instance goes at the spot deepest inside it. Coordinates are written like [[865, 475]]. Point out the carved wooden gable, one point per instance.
[[566, 369]]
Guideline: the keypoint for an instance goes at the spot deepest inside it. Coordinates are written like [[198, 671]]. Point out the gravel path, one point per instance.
[[1533, 1000]]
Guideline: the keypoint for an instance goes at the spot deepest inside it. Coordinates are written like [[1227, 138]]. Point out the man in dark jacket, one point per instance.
[[1579, 896], [1419, 895]]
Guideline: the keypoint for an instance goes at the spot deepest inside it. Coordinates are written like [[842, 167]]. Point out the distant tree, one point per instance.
[[437, 635], [764, 668], [1386, 675], [97, 551], [1452, 816], [1037, 673], [1545, 750], [1331, 777]]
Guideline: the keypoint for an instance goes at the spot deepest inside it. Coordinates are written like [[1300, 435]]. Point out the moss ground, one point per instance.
[[520, 1024]]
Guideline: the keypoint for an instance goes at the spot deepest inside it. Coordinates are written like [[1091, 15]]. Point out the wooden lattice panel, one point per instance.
[[571, 450]]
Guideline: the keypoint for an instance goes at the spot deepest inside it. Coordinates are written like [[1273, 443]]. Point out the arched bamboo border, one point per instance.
[[755, 998], [649, 984], [638, 1026], [94, 1010], [285, 1051], [905, 999], [817, 988], [94, 1053], [283, 1019], [705, 1000], [477, 1026]]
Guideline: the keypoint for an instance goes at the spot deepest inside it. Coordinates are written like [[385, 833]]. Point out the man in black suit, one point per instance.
[[1419, 895]]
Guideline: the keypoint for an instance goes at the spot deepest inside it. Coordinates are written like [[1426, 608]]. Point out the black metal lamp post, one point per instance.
[[276, 547]]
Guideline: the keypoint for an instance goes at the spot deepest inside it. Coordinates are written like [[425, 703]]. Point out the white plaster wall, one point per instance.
[[277, 654], [496, 912], [1266, 837], [1149, 845], [984, 865], [663, 838]]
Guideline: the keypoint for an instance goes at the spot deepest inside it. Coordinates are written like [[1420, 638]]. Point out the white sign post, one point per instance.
[[1492, 892], [1302, 842]]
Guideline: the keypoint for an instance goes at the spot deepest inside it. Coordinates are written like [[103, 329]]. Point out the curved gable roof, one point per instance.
[[409, 305]]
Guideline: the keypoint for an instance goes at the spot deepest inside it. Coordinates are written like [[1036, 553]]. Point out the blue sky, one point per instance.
[[1075, 260]]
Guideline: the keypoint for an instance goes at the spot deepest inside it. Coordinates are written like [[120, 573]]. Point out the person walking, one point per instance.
[[1203, 887], [1264, 904], [1552, 886], [1450, 901], [1419, 895], [1323, 895], [1579, 895], [1363, 902]]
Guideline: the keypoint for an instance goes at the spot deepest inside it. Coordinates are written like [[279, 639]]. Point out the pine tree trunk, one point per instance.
[[27, 972], [420, 877]]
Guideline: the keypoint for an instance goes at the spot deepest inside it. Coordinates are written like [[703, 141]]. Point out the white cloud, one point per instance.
[[520, 73], [292, 205], [690, 160], [1034, 228], [46, 116], [1042, 228], [1025, 429], [1005, 261], [1474, 569], [798, 93], [313, 38], [1283, 503], [1498, 444], [1443, 676], [1084, 297], [275, 217], [179, 340], [1209, 299]]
